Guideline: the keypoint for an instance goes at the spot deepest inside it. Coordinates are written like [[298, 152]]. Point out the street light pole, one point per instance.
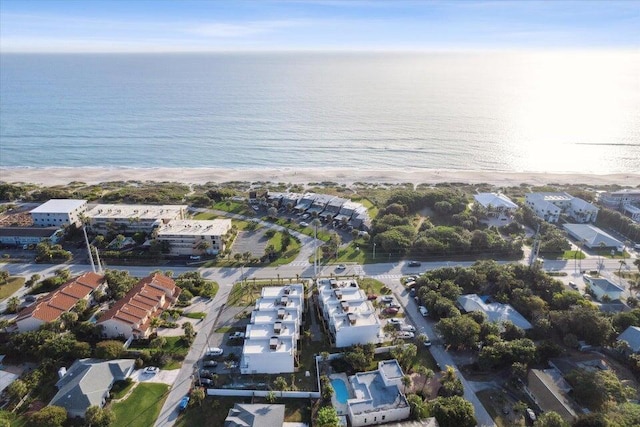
[[315, 249], [374, 250]]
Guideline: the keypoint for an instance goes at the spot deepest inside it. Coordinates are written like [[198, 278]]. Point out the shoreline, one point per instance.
[[95, 175]]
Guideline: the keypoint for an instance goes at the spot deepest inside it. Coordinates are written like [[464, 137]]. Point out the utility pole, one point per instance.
[[535, 248], [86, 239]]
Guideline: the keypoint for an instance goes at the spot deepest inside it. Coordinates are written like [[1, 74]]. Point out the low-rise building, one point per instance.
[[88, 383], [271, 338], [550, 391], [360, 219], [332, 209], [631, 336], [632, 211], [20, 236], [378, 398], [347, 210], [496, 312], [320, 203], [620, 198], [602, 288], [592, 237], [255, 415], [496, 202], [59, 212], [549, 206], [131, 219], [131, 315], [351, 319], [63, 299], [305, 202], [194, 237]]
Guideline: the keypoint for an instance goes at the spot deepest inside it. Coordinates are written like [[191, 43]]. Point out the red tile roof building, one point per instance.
[[59, 301], [131, 316]]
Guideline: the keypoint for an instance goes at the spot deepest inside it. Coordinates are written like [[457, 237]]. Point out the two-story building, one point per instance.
[[194, 237]]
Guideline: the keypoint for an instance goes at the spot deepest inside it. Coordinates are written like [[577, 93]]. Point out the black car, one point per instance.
[[414, 264], [205, 381], [206, 374]]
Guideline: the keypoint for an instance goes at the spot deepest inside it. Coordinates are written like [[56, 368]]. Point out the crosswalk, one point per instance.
[[387, 276], [299, 263]]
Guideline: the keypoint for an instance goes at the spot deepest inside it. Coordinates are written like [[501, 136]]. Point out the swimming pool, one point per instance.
[[341, 390]]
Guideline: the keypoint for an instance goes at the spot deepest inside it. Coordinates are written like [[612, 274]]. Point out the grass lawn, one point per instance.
[[290, 254], [197, 314], [120, 388], [234, 207], [9, 288], [238, 223], [142, 407], [494, 402], [573, 255], [373, 286]]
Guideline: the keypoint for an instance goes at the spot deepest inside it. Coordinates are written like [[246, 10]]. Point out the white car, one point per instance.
[[408, 328], [427, 342], [423, 311], [406, 335], [341, 267], [151, 370], [214, 351], [304, 224], [395, 321], [236, 335]]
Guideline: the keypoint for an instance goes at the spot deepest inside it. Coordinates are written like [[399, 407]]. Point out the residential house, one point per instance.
[[305, 202], [271, 338], [61, 300], [131, 316], [351, 319], [496, 203], [378, 398], [496, 312], [592, 237], [632, 337], [194, 237], [20, 236], [88, 383], [255, 415], [131, 219], [550, 392], [549, 206], [360, 219], [320, 203], [602, 288], [347, 210], [332, 209], [59, 213]]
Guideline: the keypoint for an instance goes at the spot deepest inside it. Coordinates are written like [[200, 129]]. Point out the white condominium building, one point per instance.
[[194, 237], [130, 219], [59, 212], [549, 206]]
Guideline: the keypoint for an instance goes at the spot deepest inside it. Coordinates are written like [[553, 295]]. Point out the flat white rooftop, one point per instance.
[[59, 206], [353, 320], [272, 316], [277, 291], [274, 303], [190, 227], [268, 345], [137, 211], [344, 294], [267, 330]]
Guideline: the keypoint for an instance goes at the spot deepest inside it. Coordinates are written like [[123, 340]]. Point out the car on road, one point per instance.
[[395, 321], [195, 257], [341, 267], [406, 335], [184, 402], [415, 263], [408, 328], [572, 285], [209, 363], [151, 370], [236, 336], [214, 351], [410, 279], [427, 341], [410, 284], [386, 298], [304, 224], [423, 310], [531, 414], [390, 310]]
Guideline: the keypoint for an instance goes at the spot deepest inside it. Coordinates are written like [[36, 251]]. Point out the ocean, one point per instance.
[[506, 112]]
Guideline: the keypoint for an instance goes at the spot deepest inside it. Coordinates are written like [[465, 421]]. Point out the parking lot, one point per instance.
[[254, 242]]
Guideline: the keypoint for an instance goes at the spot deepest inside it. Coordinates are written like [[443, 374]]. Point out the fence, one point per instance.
[[264, 393]]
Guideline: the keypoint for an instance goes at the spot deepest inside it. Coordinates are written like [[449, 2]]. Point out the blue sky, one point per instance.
[[168, 25]]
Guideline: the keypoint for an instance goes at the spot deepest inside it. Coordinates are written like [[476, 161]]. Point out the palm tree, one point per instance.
[[406, 382], [426, 373]]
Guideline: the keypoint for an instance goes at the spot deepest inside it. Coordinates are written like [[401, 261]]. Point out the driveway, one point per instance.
[[164, 376]]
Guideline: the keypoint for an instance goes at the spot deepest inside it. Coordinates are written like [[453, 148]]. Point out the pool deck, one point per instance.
[[341, 408]]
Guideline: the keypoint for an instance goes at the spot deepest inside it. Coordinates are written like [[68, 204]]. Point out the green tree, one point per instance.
[[596, 389], [99, 417], [419, 410], [17, 389], [327, 417], [13, 304], [280, 384], [550, 419], [197, 396], [49, 416], [426, 373], [4, 277], [406, 383], [109, 349], [453, 412], [459, 332]]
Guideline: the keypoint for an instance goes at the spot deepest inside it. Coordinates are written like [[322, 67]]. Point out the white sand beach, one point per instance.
[[61, 176]]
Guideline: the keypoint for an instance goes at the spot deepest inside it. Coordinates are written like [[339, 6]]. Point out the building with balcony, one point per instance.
[[59, 213], [131, 219], [194, 237], [549, 206]]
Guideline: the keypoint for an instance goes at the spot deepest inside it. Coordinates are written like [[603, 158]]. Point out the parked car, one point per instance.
[[183, 403], [406, 335], [372, 297], [410, 284], [412, 292], [386, 298], [423, 311], [304, 224], [395, 321], [408, 328], [410, 279], [204, 373], [205, 381], [414, 264], [151, 370], [236, 336], [393, 305], [341, 267], [572, 285], [210, 363], [390, 310], [214, 351], [195, 257], [531, 414]]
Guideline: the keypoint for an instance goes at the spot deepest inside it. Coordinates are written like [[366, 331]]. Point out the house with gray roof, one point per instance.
[[602, 287], [496, 312], [88, 383], [495, 202], [550, 392], [255, 415], [632, 336], [378, 396], [592, 237]]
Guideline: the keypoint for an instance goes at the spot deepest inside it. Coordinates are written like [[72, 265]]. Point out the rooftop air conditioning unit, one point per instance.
[[352, 318], [273, 343]]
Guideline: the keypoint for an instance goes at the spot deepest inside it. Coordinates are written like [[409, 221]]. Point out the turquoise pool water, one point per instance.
[[341, 390]]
